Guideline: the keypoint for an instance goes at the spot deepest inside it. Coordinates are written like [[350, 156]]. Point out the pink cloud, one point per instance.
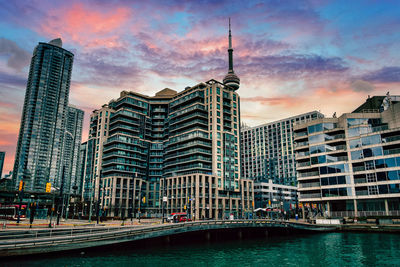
[[85, 25]]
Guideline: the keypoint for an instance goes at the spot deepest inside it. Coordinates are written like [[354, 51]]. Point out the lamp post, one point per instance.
[[140, 200], [52, 206], [20, 196], [60, 213], [98, 200], [281, 202], [164, 200], [93, 184], [61, 196], [74, 188], [133, 193]]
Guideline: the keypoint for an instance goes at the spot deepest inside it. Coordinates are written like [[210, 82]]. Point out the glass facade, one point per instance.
[[357, 159], [268, 150], [41, 138]]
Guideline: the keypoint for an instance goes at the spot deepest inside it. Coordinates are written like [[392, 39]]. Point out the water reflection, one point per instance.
[[333, 249]]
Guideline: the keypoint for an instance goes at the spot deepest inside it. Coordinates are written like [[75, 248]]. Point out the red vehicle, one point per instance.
[[184, 219], [178, 217]]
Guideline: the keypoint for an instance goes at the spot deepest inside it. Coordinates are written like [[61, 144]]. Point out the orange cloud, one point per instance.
[[86, 26], [285, 101]]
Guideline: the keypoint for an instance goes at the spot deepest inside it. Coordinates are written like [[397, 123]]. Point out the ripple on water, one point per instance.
[[331, 249]]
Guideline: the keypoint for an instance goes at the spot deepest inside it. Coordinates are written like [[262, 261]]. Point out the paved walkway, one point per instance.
[[43, 223]]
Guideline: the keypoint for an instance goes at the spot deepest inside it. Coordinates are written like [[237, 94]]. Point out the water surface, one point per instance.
[[327, 249]]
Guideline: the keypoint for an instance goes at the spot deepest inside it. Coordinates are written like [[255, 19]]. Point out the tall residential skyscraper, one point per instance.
[[267, 151], [72, 142], [2, 157], [182, 147], [41, 137], [350, 166]]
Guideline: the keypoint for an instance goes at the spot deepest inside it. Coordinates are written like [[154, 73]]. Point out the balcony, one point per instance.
[[303, 164], [391, 151], [308, 185], [301, 144], [313, 195], [308, 174]]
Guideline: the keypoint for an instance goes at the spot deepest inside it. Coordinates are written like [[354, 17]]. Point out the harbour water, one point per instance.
[[325, 249]]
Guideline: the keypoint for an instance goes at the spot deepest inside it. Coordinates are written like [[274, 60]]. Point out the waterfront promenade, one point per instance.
[[74, 234], [25, 241]]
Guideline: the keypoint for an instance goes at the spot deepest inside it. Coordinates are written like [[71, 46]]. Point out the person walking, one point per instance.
[[32, 213]]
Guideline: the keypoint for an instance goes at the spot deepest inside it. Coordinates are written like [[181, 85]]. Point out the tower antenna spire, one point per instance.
[[231, 79], [230, 34]]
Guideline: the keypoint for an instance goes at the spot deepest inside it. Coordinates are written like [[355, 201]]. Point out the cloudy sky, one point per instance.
[[292, 56]]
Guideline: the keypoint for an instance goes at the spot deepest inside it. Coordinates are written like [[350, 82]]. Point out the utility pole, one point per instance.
[[52, 206], [133, 195], [21, 196], [61, 196], [163, 201], [140, 199], [98, 200], [91, 200]]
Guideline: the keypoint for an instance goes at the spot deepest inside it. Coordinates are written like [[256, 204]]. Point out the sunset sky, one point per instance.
[[291, 56]]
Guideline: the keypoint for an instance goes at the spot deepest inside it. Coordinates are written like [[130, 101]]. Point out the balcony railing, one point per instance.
[[308, 174], [301, 144], [314, 195], [307, 185]]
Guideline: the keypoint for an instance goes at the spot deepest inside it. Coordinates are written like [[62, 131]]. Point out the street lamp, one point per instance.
[[140, 199], [61, 197], [74, 188], [60, 213], [133, 193], [164, 200], [52, 190], [98, 199]]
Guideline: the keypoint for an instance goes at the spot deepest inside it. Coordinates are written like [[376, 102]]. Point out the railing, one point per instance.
[[363, 213], [390, 139], [315, 195], [308, 174], [303, 164], [300, 134], [301, 144], [391, 151], [50, 237], [358, 169], [307, 185]]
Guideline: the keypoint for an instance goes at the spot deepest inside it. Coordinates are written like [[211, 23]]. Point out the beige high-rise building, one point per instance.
[[177, 152]]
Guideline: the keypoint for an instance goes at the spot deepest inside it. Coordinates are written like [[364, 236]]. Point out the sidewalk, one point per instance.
[[44, 223]]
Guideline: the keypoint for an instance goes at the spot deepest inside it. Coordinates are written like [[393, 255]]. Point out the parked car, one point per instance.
[[184, 219]]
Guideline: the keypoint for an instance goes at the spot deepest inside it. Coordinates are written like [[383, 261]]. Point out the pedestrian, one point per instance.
[[32, 213]]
